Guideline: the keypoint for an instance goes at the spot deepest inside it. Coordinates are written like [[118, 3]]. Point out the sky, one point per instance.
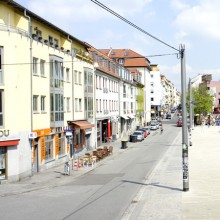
[[192, 23]]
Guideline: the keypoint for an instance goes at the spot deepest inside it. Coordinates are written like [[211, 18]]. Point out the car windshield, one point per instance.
[[153, 125], [137, 133]]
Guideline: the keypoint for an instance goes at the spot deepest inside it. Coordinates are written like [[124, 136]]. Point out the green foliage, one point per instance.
[[203, 101], [140, 101]]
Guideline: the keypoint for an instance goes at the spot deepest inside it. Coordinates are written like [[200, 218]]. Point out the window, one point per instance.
[[80, 104], [68, 104], [100, 82], [50, 40], [80, 78], [35, 60], [1, 107], [57, 110], [100, 105], [42, 67], [35, 104], [1, 72], [97, 105], [76, 77], [97, 82], [152, 99], [61, 144], [67, 74], [42, 102], [56, 42], [56, 74], [76, 104], [56, 92], [49, 147], [121, 61], [152, 76], [124, 91]]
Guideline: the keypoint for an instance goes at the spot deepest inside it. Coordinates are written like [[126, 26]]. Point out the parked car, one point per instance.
[[157, 123], [139, 134], [179, 123], [153, 126], [168, 116], [147, 129], [145, 132]]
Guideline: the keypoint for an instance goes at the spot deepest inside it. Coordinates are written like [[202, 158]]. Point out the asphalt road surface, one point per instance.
[[102, 194]]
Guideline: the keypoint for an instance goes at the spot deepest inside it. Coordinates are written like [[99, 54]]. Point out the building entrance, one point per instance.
[[2, 163]]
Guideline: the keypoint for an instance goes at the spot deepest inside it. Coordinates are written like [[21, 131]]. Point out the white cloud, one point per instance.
[[178, 4], [77, 10], [201, 20]]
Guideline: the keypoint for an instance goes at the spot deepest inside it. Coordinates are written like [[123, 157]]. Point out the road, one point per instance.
[[103, 193]]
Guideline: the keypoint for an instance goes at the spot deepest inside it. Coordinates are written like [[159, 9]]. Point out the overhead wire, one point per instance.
[[132, 24]]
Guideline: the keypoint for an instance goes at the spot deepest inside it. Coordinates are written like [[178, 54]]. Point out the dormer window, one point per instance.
[[56, 42], [121, 61], [50, 40]]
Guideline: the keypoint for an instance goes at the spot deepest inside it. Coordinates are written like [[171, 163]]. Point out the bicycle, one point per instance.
[[67, 168]]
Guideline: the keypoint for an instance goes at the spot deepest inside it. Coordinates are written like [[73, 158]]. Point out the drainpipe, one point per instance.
[[72, 57], [31, 82]]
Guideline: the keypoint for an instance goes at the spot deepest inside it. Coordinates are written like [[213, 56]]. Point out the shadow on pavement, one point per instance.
[[153, 184]]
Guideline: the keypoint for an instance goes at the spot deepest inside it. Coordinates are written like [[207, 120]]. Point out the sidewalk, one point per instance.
[[203, 199], [54, 176], [162, 197]]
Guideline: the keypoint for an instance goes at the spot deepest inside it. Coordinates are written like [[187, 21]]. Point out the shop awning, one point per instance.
[[7, 143], [82, 124], [124, 116]]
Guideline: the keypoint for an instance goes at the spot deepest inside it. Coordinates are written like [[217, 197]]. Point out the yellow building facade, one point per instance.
[[45, 107]]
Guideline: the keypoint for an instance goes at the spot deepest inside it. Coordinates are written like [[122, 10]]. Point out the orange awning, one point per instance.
[[82, 124]]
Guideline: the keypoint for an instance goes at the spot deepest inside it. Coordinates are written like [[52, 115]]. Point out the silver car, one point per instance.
[[140, 135], [153, 126]]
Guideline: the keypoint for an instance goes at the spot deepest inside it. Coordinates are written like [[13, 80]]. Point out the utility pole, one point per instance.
[[191, 103], [184, 120]]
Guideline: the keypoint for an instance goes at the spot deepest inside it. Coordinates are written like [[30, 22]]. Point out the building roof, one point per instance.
[[131, 58], [22, 9]]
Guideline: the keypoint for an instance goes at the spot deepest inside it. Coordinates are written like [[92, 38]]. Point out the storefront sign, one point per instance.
[[32, 135], [68, 132], [4, 133], [43, 132]]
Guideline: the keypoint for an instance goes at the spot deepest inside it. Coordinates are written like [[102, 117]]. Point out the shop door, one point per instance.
[[35, 159], [88, 141], [2, 163]]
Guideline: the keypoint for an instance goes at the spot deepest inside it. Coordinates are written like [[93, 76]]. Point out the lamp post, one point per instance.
[[184, 120]]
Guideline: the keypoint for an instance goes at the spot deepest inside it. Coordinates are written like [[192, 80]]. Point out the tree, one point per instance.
[[202, 100]]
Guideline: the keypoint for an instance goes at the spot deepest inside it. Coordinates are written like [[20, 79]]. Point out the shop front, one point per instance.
[[6, 144], [81, 133], [49, 148]]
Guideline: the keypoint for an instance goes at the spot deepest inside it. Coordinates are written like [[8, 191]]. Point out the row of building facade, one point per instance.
[[60, 96]]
